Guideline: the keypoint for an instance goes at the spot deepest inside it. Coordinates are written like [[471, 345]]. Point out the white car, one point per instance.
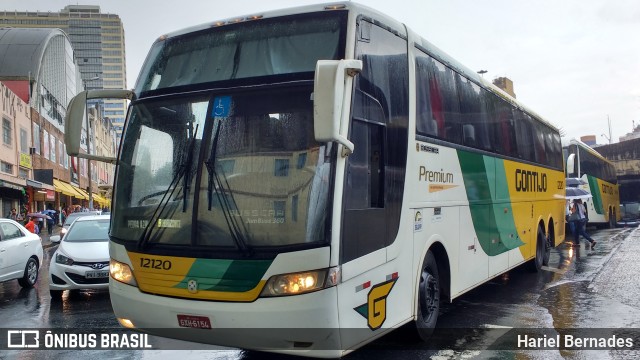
[[82, 258], [72, 217], [20, 253]]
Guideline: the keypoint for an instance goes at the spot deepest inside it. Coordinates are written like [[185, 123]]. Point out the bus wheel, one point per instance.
[[612, 220], [428, 297], [542, 249], [547, 250]]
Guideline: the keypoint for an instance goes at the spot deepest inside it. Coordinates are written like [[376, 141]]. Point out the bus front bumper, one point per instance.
[[299, 324]]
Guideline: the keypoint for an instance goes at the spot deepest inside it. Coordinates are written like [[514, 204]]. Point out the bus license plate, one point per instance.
[[96, 274], [191, 321]]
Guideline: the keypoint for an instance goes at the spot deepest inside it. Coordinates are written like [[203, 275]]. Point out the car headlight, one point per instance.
[[300, 283], [122, 272], [64, 260]]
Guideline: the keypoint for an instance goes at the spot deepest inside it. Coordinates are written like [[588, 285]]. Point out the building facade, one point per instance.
[[15, 160], [98, 43], [625, 155], [38, 77]]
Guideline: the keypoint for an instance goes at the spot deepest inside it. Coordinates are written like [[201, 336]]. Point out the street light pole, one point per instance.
[[609, 138], [89, 146]]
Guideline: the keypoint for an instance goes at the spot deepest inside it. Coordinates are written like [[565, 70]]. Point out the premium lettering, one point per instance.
[[434, 176]]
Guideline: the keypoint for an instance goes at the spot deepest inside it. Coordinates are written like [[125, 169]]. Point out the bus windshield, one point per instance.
[[235, 171], [270, 47]]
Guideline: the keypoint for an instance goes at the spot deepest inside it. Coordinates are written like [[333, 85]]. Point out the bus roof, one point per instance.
[[587, 148], [367, 11], [330, 6]]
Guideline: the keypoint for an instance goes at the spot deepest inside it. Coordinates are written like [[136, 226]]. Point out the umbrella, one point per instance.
[[576, 193], [574, 182], [39, 215]]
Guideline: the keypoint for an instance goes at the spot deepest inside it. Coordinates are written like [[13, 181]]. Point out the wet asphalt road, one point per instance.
[[581, 288]]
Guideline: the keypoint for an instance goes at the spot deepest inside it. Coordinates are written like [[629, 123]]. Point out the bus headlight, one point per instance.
[[300, 283], [122, 272]]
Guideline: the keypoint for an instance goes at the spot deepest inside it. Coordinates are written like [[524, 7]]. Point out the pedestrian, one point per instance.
[[573, 219], [31, 225], [50, 223], [567, 215], [14, 215], [581, 225]]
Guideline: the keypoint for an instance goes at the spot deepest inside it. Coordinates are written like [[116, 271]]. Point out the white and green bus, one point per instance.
[[307, 180], [598, 177]]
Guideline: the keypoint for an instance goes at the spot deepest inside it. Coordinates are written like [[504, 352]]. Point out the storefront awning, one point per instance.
[[82, 192], [62, 187], [78, 193], [100, 200]]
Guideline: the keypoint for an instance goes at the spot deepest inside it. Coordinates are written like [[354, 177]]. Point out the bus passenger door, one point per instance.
[[371, 295], [364, 222]]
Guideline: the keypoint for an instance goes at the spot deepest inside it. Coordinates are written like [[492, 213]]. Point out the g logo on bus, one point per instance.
[[375, 310], [192, 286]]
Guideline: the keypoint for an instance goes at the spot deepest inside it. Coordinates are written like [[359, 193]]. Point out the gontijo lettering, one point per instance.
[[530, 181]]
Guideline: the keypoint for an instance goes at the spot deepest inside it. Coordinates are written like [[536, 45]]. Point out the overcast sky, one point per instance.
[[574, 62]]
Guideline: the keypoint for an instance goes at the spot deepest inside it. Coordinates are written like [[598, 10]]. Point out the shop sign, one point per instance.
[[25, 161]]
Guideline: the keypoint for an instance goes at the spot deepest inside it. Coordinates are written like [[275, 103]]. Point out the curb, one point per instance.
[[48, 244]]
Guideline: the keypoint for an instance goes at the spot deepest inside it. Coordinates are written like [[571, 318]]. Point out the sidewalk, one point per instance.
[[44, 236], [620, 276]]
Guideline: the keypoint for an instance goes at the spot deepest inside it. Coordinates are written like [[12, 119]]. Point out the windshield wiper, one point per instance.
[[237, 230], [168, 194], [210, 164], [185, 187]]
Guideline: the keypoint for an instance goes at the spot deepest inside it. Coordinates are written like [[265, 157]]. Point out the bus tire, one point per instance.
[[612, 219], [550, 240], [428, 297], [542, 250]]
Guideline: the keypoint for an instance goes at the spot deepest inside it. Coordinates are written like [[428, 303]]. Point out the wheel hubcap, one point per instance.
[[429, 290], [32, 272]]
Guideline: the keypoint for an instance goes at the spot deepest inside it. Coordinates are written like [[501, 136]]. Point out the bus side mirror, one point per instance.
[[76, 112], [331, 100], [571, 165], [73, 123]]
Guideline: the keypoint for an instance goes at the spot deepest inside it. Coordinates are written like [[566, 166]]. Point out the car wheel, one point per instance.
[[56, 294], [30, 274]]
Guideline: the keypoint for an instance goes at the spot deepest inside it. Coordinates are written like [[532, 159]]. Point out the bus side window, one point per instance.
[[437, 100], [450, 109], [426, 96], [473, 114]]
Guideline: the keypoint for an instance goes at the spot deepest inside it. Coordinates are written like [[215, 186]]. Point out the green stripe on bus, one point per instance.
[[504, 212], [482, 175], [595, 192], [226, 275]]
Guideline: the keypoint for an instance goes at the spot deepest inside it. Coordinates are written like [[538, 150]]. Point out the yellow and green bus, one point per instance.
[[598, 177], [307, 180]]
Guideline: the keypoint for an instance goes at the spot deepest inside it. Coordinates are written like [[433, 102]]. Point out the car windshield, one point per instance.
[[74, 216], [88, 231]]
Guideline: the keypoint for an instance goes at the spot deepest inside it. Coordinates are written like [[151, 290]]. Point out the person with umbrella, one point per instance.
[[581, 224], [31, 225], [40, 218], [49, 220]]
